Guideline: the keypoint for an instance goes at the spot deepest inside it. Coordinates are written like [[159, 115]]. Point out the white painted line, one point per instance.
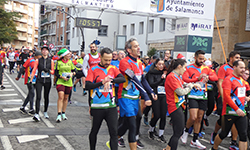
[[1, 95], [6, 83], [11, 109], [28, 138], [10, 100], [7, 90], [62, 140], [5, 140], [20, 120]]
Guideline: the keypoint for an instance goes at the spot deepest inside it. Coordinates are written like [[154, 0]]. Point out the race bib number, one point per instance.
[[242, 92], [101, 88], [65, 74], [161, 90], [45, 74]]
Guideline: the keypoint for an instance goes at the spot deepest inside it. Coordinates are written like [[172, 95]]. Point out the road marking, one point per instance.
[[5, 140], [11, 100], [11, 109], [1, 95], [7, 85], [20, 120], [28, 138], [62, 140], [7, 90]]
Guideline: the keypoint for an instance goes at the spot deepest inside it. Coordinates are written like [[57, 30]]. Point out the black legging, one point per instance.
[[160, 109], [47, 87], [178, 126], [146, 110], [12, 64], [138, 120], [128, 123], [110, 116]]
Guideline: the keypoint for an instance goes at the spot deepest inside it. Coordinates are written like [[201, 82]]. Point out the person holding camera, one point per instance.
[[64, 71]]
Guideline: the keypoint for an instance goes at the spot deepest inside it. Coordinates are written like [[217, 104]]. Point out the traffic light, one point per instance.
[[82, 48], [42, 11]]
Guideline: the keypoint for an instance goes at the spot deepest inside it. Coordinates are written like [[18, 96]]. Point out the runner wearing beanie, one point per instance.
[[45, 68]]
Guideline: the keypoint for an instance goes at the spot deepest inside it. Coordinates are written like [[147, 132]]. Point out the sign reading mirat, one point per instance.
[[88, 23]]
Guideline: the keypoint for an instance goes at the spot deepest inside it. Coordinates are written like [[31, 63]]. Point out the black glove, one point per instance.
[[46, 70]]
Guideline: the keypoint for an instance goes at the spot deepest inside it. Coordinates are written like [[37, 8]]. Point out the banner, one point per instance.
[[181, 8]]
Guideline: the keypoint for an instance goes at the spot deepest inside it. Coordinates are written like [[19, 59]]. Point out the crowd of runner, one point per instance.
[[122, 89]]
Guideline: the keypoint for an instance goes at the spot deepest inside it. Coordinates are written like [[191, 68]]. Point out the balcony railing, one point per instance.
[[44, 32], [22, 29], [44, 21]]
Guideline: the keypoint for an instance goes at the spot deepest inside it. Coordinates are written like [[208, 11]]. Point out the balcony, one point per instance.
[[44, 33], [30, 31], [52, 32], [17, 9], [35, 43], [36, 36], [68, 42], [23, 20], [30, 22], [44, 21], [22, 38], [31, 13], [52, 19], [8, 7], [29, 40], [22, 29]]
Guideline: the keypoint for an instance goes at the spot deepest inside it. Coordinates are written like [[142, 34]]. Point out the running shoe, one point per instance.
[[197, 144], [212, 138], [80, 85], [13, 71], [151, 135], [145, 120], [161, 139], [229, 134], [201, 135], [234, 145], [69, 102], [74, 88], [59, 118], [108, 144], [2, 87], [184, 137], [64, 117], [84, 93], [155, 132], [31, 112], [139, 144], [46, 115], [206, 122], [121, 142], [23, 111], [36, 118]]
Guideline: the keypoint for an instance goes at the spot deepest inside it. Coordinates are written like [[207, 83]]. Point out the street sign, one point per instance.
[[88, 23], [45, 41], [51, 46]]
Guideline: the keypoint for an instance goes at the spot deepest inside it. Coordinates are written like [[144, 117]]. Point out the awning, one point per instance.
[[243, 48]]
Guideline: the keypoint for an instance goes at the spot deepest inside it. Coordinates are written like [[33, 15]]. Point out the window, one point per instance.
[[103, 31], [62, 23], [162, 24], [124, 29], [14, 4], [151, 26], [21, 6], [132, 29], [73, 32], [173, 24], [141, 27], [61, 38]]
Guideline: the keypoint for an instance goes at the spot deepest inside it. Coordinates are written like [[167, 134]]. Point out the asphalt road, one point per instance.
[[18, 131]]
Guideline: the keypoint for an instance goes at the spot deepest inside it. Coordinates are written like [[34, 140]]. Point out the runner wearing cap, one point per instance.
[[45, 68], [27, 68]]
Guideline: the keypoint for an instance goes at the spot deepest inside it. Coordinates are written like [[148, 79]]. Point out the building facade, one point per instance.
[[27, 26]]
